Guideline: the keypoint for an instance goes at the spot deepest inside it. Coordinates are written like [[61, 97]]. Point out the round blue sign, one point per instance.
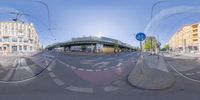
[[140, 36]]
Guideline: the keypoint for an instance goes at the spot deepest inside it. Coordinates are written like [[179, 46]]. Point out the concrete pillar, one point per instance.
[[69, 48], [65, 48], [92, 48]]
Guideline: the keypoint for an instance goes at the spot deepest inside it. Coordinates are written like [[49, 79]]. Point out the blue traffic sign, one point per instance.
[[140, 36]]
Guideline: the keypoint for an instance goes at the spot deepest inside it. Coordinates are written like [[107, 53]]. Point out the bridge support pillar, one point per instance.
[[99, 48]]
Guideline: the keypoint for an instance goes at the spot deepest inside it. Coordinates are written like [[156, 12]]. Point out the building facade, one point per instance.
[[18, 37], [186, 40]]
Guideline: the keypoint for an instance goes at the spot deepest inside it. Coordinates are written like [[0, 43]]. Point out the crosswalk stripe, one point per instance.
[[80, 89]]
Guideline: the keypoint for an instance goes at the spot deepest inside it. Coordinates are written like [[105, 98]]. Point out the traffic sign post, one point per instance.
[[140, 37]]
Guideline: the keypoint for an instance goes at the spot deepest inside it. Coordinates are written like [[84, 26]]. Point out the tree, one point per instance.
[[166, 47], [116, 47], [149, 44]]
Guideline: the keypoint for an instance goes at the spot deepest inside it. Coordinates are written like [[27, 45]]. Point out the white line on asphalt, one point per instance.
[[52, 75], [98, 70], [119, 64], [72, 67], [63, 63], [110, 88], [51, 66], [15, 63], [1, 71], [190, 74], [9, 74], [89, 70], [58, 82], [79, 89], [181, 73], [80, 69], [105, 69], [198, 72]]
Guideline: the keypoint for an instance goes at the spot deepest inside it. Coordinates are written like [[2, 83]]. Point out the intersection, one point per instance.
[[67, 77]]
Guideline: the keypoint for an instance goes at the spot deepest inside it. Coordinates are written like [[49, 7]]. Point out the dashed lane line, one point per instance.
[[50, 68], [89, 70], [1, 71], [98, 70], [189, 74], [110, 88], [52, 75], [72, 67], [80, 89], [119, 64], [198, 72], [9, 74], [63, 63], [58, 82], [80, 69]]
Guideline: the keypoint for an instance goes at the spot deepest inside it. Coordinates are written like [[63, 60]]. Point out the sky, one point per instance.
[[118, 19]]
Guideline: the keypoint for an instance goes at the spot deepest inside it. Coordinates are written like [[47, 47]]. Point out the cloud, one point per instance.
[[169, 12]]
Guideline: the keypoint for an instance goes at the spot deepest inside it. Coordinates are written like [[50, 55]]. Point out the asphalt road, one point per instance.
[[58, 76]]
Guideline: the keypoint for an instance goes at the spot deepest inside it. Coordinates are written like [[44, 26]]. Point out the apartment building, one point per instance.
[[186, 40], [18, 37]]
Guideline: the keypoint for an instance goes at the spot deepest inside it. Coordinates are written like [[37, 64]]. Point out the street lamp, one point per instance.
[[152, 9]]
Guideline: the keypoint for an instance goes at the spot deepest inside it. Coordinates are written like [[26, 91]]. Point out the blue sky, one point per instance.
[[119, 19]]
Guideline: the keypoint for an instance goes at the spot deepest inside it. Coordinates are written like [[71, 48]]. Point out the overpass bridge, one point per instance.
[[95, 44]]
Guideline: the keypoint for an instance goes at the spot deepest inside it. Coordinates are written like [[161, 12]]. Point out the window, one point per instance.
[[20, 47], [6, 39], [14, 39], [25, 48], [31, 48], [20, 39], [25, 41]]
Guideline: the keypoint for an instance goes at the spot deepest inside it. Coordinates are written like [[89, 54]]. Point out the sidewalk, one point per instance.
[[151, 73]]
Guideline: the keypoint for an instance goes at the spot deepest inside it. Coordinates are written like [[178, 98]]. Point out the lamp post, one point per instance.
[[152, 9]]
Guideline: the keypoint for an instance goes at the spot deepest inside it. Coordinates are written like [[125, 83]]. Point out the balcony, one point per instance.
[[195, 26], [195, 30]]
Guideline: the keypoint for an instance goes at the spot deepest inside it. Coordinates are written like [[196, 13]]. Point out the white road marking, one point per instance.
[[89, 70], [105, 69], [190, 74], [80, 69], [110, 88], [1, 71], [63, 63], [198, 72], [119, 64], [52, 75], [58, 82], [194, 80], [79, 89], [73, 67], [15, 63], [98, 70], [8, 75], [22, 64], [101, 64]]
